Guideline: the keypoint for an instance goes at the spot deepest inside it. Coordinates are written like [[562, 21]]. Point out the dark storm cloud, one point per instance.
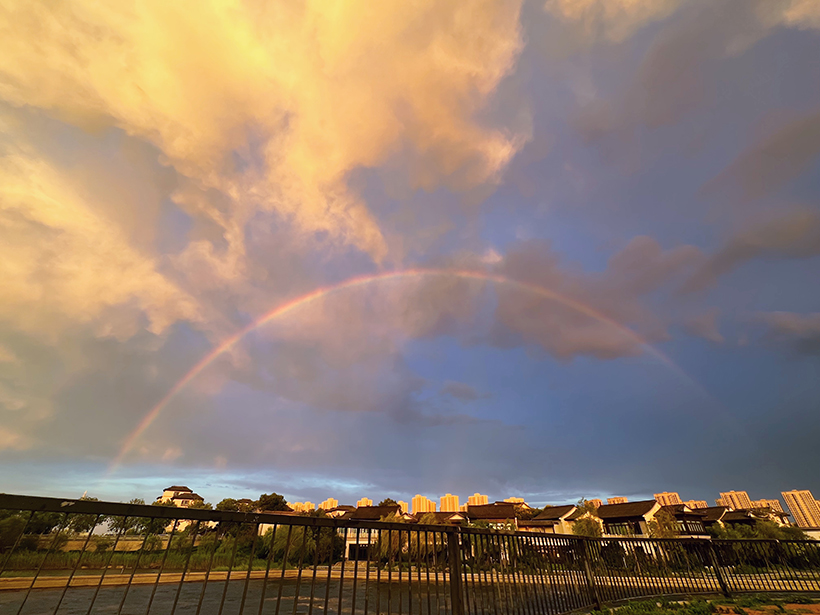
[[799, 333], [462, 391], [766, 166], [794, 236]]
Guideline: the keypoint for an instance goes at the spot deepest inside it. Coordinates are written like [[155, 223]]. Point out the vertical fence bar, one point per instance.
[[251, 560], [194, 532], [62, 526], [317, 535], [228, 574], [207, 573], [284, 565], [342, 573], [77, 565], [267, 568], [456, 587], [299, 570], [159, 574], [16, 543], [133, 572]]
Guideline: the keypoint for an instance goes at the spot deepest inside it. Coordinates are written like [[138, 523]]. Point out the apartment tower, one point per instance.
[[736, 500], [448, 503], [804, 508], [668, 498], [477, 500]]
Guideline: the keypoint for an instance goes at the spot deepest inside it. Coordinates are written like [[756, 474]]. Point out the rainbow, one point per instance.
[[324, 291]]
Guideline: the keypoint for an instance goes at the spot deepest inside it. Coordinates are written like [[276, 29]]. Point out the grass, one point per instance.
[[699, 606]]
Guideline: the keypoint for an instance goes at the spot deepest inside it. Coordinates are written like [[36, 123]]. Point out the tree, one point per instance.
[[664, 525], [201, 505], [84, 523], [587, 526], [228, 504], [272, 502], [388, 502]]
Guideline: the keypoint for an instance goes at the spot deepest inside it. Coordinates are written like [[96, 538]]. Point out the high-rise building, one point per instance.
[[478, 500], [449, 503], [596, 502], [616, 500], [329, 504], [403, 505], [364, 502], [668, 498], [736, 500], [804, 508], [422, 504], [303, 506], [693, 504], [720, 502], [515, 500], [764, 503]]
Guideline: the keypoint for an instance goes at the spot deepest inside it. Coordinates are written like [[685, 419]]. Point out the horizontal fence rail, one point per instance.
[[85, 557]]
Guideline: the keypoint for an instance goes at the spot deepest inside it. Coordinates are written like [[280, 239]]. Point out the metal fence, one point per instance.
[[84, 557]]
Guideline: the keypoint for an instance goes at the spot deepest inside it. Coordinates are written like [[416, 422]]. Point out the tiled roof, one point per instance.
[[491, 511], [554, 512], [373, 513], [713, 513], [628, 509], [177, 488], [188, 496], [442, 517]]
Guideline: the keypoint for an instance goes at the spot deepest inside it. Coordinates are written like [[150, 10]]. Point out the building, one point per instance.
[[477, 500], [357, 542], [449, 503], [303, 506], [596, 502], [329, 504], [804, 508], [405, 507], [616, 500], [694, 504], [422, 504], [443, 518], [496, 515], [628, 518], [364, 502], [720, 502], [736, 500], [668, 498], [773, 504], [340, 511], [553, 520], [179, 496], [514, 500]]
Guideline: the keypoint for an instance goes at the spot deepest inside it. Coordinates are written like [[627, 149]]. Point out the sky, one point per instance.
[[550, 250]]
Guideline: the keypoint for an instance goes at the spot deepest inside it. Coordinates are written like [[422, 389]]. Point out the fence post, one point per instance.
[[454, 557], [724, 588], [586, 558]]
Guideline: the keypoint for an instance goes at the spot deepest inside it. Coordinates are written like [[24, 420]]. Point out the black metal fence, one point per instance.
[[84, 557]]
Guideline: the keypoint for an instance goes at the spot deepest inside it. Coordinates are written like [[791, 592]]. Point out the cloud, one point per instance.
[[800, 332], [275, 107], [462, 391], [63, 263], [766, 166], [612, 20], [705, 325], [793, 236]]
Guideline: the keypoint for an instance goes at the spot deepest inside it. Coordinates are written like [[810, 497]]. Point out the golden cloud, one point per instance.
[[273, 104], [62, 263]]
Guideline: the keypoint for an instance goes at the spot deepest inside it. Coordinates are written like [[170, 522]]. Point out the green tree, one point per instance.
[[587, 526], [84, 523], [663, 525], [228, 504], [272, 502], [388, 502], [201, 505]]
